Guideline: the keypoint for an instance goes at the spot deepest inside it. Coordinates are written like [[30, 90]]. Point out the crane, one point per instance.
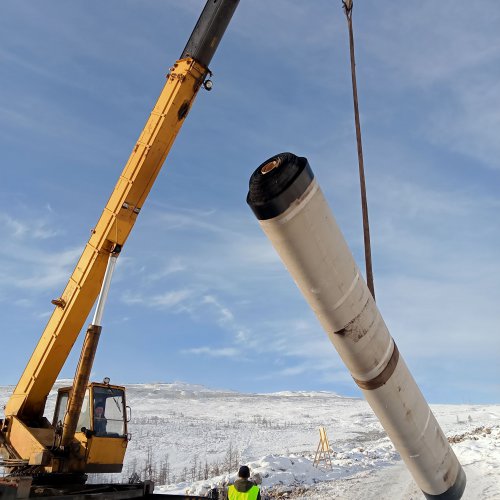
[[88, 432]]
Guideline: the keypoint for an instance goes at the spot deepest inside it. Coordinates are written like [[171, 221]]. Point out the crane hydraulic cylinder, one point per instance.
[[294, 215]]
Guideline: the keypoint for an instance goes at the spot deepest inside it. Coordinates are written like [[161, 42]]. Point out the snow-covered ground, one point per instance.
[[185, 433]]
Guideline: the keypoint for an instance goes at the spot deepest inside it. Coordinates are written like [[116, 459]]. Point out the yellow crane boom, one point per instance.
[[113, 228], [87, 434], [117, 220]]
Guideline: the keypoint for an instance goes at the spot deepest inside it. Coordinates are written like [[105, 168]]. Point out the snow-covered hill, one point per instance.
[[189, 436]]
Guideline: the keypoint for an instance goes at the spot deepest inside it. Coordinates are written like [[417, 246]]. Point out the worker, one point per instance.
[[100, 420], [243, 488]]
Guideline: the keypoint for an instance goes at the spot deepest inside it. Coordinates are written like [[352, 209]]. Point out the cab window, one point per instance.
[[61, 405], [109, 412], [84, 419]]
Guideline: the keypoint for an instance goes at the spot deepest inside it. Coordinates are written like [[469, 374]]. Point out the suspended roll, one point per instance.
[[294, 215]]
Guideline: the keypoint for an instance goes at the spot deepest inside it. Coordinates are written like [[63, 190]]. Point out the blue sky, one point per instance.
[[199, 294]]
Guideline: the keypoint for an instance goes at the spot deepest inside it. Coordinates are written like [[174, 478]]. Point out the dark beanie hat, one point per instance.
[[244, 472]]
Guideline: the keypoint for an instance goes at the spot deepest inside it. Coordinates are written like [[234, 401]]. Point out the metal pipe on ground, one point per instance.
[[295, 216]]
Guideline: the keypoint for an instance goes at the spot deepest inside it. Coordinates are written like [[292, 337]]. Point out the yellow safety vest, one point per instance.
[[234, 494]]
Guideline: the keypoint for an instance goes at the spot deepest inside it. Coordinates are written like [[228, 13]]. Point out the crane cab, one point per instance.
[[101, 432]]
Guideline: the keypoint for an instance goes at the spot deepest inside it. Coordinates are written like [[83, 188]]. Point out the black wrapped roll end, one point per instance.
[[277, 183], [453, 493]]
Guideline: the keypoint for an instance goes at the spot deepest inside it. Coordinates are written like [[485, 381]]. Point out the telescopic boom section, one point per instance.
[[120, 213]]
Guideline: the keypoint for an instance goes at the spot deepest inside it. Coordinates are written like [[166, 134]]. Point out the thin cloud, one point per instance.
[[173, 266], [225, 315], [428, 57], [177, 300], [35, 269], [293, 371], [171, 299], [213, 352], [184, 218], [451, 68], [469, 124], [29, 229]]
